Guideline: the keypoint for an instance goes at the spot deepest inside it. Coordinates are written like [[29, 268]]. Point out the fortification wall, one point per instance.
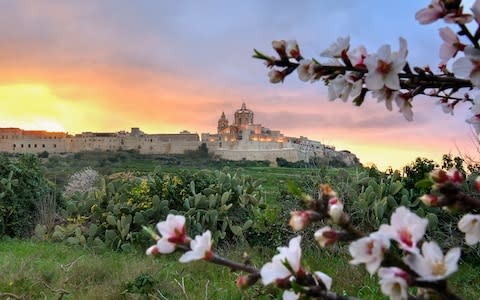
[[270, 155], [32, 145]]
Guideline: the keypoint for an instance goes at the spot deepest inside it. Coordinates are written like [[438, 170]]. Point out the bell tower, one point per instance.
[[222, 123]]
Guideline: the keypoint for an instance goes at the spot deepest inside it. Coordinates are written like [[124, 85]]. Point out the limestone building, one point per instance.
[[241, 140]]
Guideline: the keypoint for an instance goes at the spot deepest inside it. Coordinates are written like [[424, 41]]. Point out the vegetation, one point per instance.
[[246, 208]]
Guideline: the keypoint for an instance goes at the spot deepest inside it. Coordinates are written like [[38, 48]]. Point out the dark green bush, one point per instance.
[[22, 185]]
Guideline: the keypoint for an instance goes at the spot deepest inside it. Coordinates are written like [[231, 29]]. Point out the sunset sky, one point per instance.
[[167, 66]]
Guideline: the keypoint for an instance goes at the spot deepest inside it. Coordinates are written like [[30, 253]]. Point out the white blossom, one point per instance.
[[172, 232], [357, 56], [369, 251], [276, 269], [469, 65], [305, 69], [200, 248], [384, 66], [405, 106], [470, 225], [344, 86], [393, 283], [406, 228], [387, 95], [451, 44], [476, 10], [432, 265], [289, 295], [474, 120], [431, 13], [335, 50], [327, 280]]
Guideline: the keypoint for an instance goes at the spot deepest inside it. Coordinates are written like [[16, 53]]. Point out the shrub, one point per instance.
[[22, 185]]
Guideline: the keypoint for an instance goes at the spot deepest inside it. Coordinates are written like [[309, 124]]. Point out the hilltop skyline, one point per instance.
[[167, 67]]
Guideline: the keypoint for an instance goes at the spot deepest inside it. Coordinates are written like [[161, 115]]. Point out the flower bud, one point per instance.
[[299, 220], [292, 49], [279, 45], [476, 184], [326, 190], [153, 250], [276, 76], [335, 209], [242, 282], [439, 176], [455, 176], [429, 199], [325, 236]]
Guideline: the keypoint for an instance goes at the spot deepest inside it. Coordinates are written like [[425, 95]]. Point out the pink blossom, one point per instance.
[[432, 265], [469, 65], [430, 14], [394, 282], [325, 236], [451, 44], [337, 48], [200, 248], [384, 66], [406, 228], [172, 232], [369, 251], [470, 225], [276, 270]]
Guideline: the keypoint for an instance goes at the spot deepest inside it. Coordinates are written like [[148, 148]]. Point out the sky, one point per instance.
[[168, 66]]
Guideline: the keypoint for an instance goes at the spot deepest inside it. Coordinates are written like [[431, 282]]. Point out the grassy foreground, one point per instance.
[[34, 270]]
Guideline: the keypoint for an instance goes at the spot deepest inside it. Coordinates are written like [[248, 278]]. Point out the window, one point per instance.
[[29, 145], [14, 146], [54, 145], [22, 145], [43, 145], [35, 146]]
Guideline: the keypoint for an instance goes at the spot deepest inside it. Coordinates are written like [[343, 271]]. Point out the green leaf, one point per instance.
[[237, 230], [425, 183], [111, 220], [396, 187]]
